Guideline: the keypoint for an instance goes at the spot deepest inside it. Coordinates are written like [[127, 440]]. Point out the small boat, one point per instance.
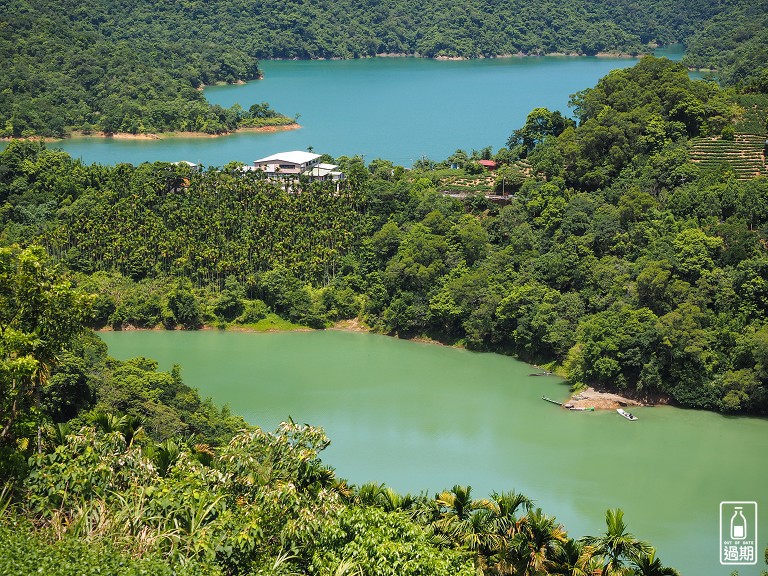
[[582, 409], [550, 400], [626, 414]]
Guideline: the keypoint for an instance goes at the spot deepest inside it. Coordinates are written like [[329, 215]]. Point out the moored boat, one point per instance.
[[626, 414]]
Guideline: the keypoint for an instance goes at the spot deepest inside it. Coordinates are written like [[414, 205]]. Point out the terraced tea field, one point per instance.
[[745, 154]]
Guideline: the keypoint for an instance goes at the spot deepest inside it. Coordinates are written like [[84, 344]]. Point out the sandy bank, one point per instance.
[[282, 128], [156, 135], [170, 135], [603, 400], [352, 325]]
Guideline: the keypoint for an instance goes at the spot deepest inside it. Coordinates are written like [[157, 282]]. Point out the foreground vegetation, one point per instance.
[[169, 487], [265, 504]]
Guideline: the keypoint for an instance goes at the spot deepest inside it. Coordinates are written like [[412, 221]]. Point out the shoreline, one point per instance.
[[76, 134], [351, 325], [460, 58], [600, 399], [181, 134]]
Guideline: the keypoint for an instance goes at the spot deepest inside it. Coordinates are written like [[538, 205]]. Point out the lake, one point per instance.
[[400, 109], [422, 417]]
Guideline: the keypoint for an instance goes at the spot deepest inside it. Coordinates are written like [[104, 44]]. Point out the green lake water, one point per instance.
[[425, 417]]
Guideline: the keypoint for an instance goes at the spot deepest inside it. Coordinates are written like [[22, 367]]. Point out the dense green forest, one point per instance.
[[736, 44], [137, 67], [111, 67], [617, 257]]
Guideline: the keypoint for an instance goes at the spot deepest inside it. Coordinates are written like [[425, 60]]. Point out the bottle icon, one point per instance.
[[738, 525]]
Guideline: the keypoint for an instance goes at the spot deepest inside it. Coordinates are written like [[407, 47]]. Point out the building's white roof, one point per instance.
[[294, 157], [318, 171], [325, 166]]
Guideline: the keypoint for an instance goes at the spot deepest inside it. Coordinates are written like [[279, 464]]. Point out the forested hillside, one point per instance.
[[113, 68], [135, 67], [617, 256], [736, 44]]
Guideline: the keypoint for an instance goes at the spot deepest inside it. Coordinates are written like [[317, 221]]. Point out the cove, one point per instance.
[[400, 109], [421, 417]]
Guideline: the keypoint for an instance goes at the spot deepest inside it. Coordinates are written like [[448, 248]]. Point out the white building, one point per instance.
[[296, 163]]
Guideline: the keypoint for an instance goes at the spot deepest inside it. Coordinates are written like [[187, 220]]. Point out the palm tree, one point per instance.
[[426, 510], [344, 490], [536, 542], [616, 546], [477, 533], [569, 560], [59, 433], [165, 455], [108, 422], [457, 504], [131, 427], [466, 523], [649, 565], [390, 500], [369, 493], [504, 507]]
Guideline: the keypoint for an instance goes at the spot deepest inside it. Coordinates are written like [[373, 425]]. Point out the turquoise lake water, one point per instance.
[[401, 109], [395, 108]]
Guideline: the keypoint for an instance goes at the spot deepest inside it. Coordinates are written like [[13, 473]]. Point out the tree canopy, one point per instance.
[[40, 315]]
